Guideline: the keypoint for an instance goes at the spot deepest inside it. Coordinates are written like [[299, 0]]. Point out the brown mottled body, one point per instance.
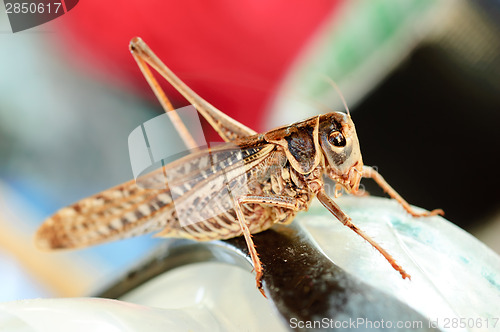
[[241, 187], [129, 210], [258, 216]]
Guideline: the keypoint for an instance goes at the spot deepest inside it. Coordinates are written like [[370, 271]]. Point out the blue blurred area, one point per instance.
[[17, 283], [63, 136]]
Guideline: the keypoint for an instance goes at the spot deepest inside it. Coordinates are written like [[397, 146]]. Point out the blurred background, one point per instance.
[[420, 78]]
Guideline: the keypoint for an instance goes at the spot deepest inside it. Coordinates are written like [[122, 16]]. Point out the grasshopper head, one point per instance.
[[340, 145]]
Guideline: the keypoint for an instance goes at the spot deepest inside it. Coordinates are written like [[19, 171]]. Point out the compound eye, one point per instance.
[[336, 138]]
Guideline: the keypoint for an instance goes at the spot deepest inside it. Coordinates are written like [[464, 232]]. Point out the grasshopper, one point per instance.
[[283, 168]]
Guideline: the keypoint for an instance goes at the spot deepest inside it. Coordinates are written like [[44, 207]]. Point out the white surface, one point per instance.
[[198, 297], [454, 276], [227, 292], [89, 314]]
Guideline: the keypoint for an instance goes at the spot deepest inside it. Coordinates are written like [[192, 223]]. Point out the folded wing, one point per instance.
[[191, 189]]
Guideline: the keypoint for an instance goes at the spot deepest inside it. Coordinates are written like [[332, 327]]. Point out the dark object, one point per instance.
[[434, 121]]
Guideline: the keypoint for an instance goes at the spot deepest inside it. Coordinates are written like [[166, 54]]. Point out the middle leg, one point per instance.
[[281, 201]]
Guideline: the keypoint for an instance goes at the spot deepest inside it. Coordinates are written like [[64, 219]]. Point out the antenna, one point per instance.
[[336, 87]]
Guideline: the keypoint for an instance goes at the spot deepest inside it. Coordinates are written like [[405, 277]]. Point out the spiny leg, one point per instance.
[[346, 220], [228, 128], [369, 172], [285, 202]]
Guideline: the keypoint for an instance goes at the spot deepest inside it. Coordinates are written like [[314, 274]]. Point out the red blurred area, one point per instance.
[[233, 53]]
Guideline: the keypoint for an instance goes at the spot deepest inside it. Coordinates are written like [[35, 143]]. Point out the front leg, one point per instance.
[[281, 201], [369, 172], [346, 220]]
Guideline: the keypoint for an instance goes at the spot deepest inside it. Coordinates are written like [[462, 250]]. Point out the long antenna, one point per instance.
[[336, 87]]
